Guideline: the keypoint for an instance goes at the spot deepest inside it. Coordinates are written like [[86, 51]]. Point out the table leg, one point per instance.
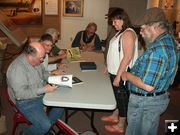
[[91, 117], [66, 115], [92, 123]]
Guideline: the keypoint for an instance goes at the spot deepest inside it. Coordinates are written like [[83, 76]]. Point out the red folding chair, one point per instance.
[[18, 116], [61, 128]]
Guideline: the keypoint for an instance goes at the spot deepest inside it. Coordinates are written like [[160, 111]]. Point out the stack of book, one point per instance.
[[88, 66]]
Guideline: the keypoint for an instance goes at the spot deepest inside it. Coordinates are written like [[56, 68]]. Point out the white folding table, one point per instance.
[[95, 92]]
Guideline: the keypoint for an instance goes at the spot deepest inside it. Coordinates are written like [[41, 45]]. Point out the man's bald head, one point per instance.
[[33, 48], [35, 53]]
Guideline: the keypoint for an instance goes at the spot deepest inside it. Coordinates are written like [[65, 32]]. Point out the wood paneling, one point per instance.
[[53, 21]]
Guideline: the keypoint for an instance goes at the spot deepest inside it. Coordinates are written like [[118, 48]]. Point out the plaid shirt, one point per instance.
[[158, 65]]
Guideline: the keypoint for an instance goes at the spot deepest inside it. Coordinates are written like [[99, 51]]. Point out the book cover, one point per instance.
[[76, 80], [88, 66], [73, 54]]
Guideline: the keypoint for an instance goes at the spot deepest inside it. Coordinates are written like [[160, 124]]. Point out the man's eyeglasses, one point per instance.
[[42, 59]]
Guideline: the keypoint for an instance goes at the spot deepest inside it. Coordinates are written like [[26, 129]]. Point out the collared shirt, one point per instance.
[[158, 65], [76, 41], [24, 80], [48, 67]]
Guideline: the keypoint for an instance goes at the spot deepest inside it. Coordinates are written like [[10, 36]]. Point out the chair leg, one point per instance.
[[14, 130], [14, 127]]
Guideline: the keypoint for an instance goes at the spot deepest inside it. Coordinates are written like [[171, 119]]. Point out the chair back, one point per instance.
[[11, 101], [18, 117]]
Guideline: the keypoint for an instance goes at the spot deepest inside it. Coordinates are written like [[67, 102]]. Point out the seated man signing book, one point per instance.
[[26, 79], [87, 40], [47, 41]]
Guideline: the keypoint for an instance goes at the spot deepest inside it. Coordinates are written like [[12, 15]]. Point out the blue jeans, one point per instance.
[[144, 113], [33, 109]]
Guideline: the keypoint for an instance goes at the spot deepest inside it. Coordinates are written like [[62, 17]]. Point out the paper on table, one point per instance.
[[52, 67]]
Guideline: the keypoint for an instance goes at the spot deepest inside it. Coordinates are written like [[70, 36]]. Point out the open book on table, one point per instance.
[[74, 55], [64, 80]]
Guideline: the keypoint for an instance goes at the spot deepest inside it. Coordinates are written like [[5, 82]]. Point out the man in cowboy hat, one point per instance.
[[151, 75]]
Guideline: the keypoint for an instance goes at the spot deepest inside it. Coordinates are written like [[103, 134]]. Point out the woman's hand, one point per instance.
[[57, 72], [63, 65], [124, 76], [105, 70], [116, 81]]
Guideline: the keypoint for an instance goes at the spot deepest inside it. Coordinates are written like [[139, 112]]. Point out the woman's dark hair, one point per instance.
[[120, 14], [140, 39]]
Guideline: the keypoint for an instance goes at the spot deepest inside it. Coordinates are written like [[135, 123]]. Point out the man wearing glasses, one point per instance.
[[26, 80], [151, 75]]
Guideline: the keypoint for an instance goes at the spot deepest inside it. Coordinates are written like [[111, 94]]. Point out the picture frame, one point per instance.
[[73, 8], [23, 12], [51, 7]]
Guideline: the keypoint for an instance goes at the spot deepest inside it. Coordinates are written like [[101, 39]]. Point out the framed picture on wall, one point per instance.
[[23, 12], [73, 8], [51, 7]]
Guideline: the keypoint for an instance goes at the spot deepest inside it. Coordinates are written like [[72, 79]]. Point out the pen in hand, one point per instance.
[[50, 87]]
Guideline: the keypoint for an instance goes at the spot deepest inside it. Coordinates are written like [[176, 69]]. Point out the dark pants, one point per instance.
[[122, 97]]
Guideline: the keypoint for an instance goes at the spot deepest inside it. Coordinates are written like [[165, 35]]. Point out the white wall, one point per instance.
[[94, 10]]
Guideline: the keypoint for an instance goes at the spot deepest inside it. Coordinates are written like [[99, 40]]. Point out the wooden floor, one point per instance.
[[81, 123]]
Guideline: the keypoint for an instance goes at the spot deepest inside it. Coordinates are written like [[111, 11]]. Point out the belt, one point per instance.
[[149, 94]]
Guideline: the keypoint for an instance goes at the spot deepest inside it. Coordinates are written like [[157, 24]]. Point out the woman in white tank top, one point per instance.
[[122, 53]]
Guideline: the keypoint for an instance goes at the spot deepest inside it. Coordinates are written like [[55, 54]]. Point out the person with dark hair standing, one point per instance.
[[111, 32], [27, 84], [151, 75], [87, 40], [122, 53]]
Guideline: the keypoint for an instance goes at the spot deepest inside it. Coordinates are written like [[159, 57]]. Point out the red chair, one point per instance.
[[18, 116], [61, 128]]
